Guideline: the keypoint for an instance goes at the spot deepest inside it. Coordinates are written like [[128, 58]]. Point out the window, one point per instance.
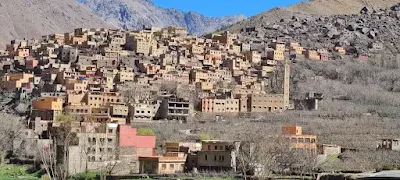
[[205, 157], [301, 140], [215, 158], [163, 166], [109, 140], [312, 140], [110, 131], [216, 147], [171, 167]]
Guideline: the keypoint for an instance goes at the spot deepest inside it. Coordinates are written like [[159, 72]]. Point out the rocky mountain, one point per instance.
[[312, 7], [134, 14], [355, 32], [34, 18]]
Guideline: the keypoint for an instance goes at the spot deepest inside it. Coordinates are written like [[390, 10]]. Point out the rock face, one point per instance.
[[34, 18], [355, 31], [134, 14], [315, 8]]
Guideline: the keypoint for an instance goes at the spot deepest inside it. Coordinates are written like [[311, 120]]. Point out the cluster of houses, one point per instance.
[[82, 71], [78, 74]]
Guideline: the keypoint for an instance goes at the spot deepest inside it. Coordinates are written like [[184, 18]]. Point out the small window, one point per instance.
[[215, 158], [205, 157], [171, 167], [163, 166]]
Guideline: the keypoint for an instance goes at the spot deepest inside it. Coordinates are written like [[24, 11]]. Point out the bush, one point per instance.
[[205, 137], [12, 171], [86, 176], [145, 132]]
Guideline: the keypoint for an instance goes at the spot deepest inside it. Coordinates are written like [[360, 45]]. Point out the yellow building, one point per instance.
[[223, 105], [197, 49], [76, 85], [23, 52], [198, 76], [170, 163], [218, 155], [297, 49], [266, 102], [276, 55], [98, 99], [298, 140], [234, 49], [14, 81], [278, 46], [126, 75], [253, 56], [186, 147], [340, 50], [312, 55], [206, 86], [48, 103]]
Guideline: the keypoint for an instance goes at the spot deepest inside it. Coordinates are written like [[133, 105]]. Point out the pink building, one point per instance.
[[144, 144], [324, 56], [31, 64], [362, 57]]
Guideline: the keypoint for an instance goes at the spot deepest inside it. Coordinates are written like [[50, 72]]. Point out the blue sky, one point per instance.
[[217, 8]]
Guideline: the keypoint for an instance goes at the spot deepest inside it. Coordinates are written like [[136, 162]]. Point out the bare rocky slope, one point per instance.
[[313, 7], [34, 18], [351, 86], [134, 14]]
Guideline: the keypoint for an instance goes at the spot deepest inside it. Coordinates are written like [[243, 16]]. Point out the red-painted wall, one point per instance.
[[128, 138]]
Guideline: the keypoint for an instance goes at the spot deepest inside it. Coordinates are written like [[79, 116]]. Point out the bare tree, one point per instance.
[[55, 158], [10, 129], [133, 92]]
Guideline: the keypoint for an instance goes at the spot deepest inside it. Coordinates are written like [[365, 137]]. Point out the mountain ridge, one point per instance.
[[313, 7], [134, 14], [41, 17]]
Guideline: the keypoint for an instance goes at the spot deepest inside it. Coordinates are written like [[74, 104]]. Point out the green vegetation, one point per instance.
[[145, 132], [216, 179], [11, 172], [86, 176], [205, 137], [63, 118]]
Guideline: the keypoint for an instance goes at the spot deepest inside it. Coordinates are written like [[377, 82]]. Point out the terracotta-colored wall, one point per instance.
[[128, 137], [292, 130]]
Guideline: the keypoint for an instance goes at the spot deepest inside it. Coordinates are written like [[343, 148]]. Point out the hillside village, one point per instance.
[[86, 90]]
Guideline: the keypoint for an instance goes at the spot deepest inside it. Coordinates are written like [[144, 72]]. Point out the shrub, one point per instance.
[[205, 137], [86, 176], [145, 132]]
